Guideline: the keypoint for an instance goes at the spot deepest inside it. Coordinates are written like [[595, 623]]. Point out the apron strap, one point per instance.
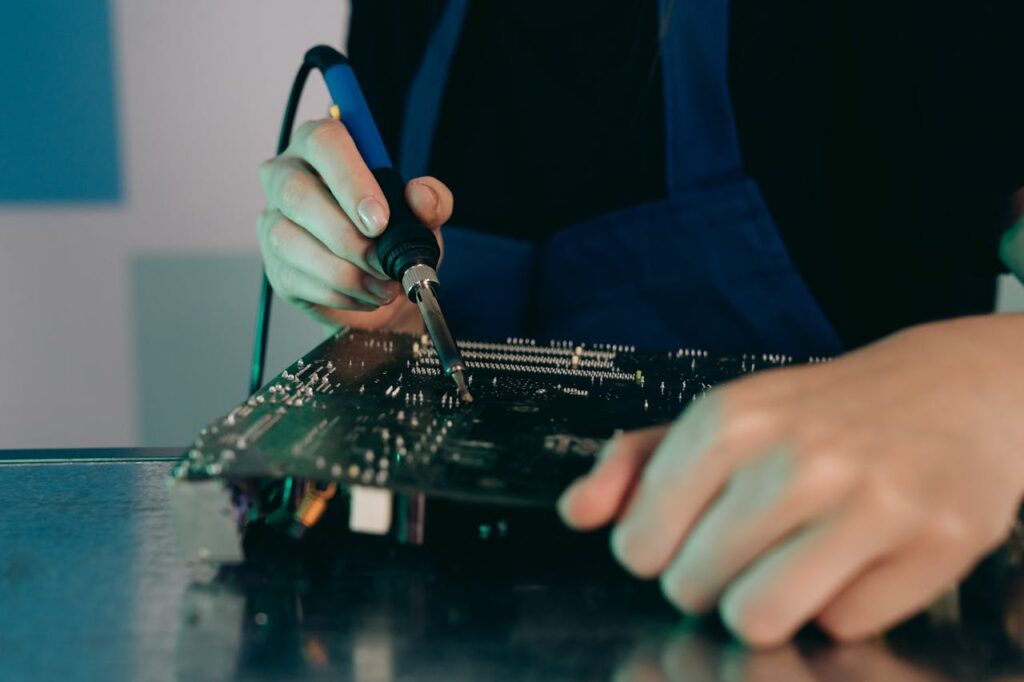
[[423, 102], [702, 147]]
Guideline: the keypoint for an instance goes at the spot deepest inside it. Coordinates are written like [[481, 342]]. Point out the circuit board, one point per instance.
[[373, 409]]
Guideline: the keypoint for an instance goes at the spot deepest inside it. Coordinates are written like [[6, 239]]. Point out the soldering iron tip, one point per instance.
[[460, 383]]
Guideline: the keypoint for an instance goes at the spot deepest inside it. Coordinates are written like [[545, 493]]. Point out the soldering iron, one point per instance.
[[408, 250]]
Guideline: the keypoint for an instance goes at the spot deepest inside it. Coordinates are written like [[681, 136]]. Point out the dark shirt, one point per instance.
[[885, 135]]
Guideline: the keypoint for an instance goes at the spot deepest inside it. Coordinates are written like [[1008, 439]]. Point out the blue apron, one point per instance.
[[705, 267]]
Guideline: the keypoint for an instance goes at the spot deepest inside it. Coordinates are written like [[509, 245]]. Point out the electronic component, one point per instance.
[[372, 410]]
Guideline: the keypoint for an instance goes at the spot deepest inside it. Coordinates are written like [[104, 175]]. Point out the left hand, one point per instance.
[[850, 492]]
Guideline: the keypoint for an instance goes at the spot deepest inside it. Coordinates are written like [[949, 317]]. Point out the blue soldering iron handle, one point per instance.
[[407, 241]]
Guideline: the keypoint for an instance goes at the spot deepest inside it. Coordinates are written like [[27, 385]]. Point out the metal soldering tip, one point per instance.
[[460, 383]]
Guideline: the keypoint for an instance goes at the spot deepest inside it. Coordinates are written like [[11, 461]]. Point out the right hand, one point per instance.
[[324, 208]]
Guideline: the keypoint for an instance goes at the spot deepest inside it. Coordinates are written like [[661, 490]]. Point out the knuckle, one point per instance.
[[305, 131], [744, 423], [340, 244], [889, 500], [344, 277], [362, 250], [276, 235], [286, 280], [293, 190], [822, 474], [321, 134], [951, 530]]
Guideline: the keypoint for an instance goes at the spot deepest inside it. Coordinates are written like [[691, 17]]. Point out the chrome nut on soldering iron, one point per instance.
[[417, 276]]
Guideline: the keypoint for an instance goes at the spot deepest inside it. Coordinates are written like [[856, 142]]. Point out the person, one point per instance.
[[815, 179]]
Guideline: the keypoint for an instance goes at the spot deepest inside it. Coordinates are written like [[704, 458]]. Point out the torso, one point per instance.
[[539, 133]]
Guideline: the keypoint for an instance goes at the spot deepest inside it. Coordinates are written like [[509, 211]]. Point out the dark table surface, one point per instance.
[[92, 587]]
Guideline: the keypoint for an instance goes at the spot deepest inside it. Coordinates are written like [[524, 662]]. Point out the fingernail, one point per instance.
[[379, 289], [373, 216], [434, 199]]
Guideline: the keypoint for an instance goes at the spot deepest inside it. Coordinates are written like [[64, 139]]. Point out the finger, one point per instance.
[[329, 148], [296, 192], [685, 473], [597, 498], [895, 588], [296, 286], [765, 500], [295, 247], [430, 200], [791, 583]]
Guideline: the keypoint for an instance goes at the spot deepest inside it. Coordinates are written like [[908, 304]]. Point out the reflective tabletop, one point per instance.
[[92, 587]]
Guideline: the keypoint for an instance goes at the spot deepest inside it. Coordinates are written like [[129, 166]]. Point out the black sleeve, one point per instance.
[[991, 100], [945, 105]]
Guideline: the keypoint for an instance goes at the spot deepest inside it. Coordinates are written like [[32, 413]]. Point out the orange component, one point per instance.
[[314, 504]]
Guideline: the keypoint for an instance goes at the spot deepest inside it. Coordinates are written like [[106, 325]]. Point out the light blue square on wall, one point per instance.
[[58, 112]]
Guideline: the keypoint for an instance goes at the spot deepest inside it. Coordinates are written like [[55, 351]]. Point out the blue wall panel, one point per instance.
[[58, 110]]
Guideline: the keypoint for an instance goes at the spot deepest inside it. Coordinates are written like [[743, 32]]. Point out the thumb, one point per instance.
[[430, 200]]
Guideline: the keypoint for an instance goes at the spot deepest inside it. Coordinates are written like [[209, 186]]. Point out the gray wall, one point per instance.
[[131, 323], [87, 291], [1011, 295]]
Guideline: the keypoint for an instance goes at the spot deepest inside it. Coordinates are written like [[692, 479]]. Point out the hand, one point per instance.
[[850, 492], [323, 209]]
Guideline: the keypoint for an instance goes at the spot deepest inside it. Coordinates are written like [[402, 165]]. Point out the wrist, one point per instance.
[[983, 356]]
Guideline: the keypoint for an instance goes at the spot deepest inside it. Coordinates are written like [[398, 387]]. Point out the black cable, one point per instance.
[[259, 350]]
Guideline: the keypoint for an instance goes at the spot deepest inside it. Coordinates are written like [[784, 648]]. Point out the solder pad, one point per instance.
[[372, 409]]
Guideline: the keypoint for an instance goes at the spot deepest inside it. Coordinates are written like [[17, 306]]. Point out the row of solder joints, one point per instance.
[[558, 351], [573, 360], [566, 345], [430, 366]]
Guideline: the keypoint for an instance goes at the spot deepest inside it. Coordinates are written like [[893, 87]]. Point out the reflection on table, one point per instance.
[[371, 611]]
